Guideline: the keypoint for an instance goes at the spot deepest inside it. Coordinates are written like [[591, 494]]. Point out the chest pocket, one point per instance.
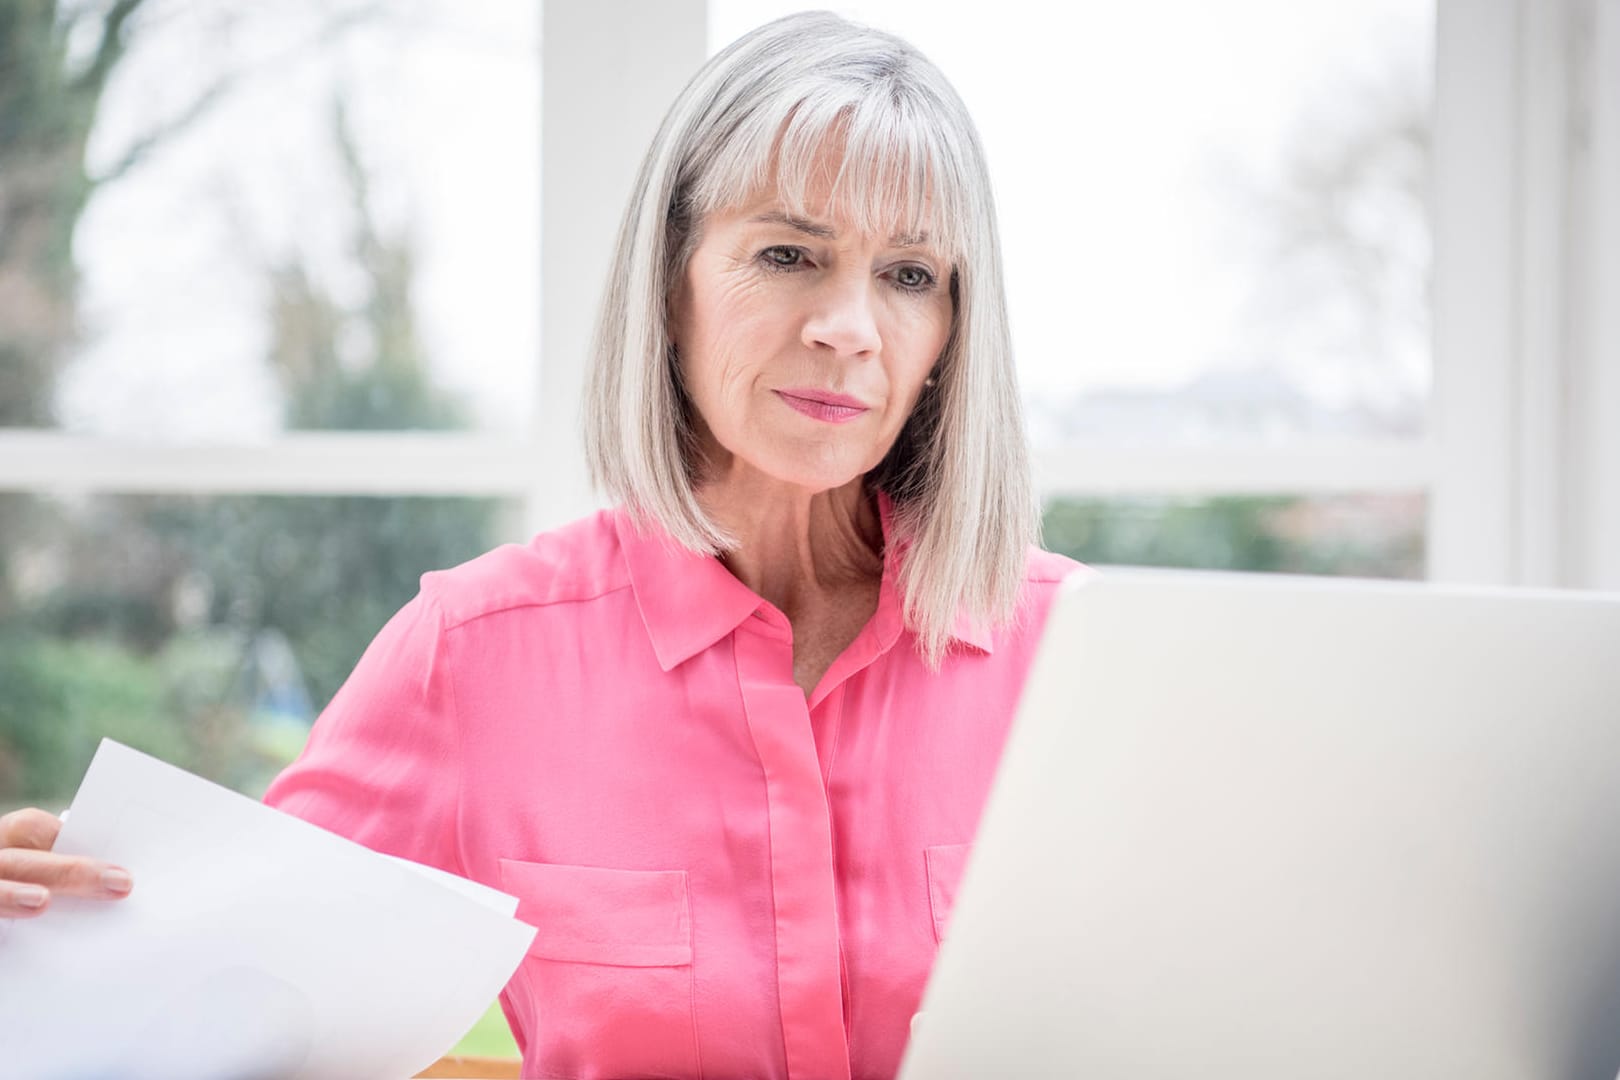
[[945, 863], [606, 987]]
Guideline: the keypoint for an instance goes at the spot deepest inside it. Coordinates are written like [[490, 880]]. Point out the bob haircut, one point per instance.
[[958, 473]]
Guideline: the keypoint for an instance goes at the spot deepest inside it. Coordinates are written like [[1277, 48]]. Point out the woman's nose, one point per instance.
[[844, 319]]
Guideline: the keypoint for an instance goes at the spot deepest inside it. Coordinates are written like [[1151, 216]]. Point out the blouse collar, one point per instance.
[[690, 601]]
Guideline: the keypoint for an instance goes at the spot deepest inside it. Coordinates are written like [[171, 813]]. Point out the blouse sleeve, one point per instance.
[[382, 764]]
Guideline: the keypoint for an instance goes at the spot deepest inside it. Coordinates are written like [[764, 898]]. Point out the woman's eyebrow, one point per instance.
[[799, 224], [827, 232]]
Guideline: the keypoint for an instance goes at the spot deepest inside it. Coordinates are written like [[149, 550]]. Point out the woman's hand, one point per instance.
[[30, 875]]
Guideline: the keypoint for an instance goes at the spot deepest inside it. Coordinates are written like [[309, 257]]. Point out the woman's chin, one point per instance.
[[814, 477]]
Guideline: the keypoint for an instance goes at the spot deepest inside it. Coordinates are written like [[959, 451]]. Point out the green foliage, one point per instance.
[[59, 698], [490, 1037], [1226, 534], [325, 572], [1287, 534]]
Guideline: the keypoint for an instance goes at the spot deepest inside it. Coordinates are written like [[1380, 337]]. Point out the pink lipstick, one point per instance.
[[823, 405]]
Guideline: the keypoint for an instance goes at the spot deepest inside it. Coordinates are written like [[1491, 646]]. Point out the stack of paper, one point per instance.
[[254, 945]]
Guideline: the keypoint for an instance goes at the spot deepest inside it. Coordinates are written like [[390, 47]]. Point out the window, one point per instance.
[[369, 167], [268, 345]]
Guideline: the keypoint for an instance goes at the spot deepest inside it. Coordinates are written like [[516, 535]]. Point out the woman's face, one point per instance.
[[803, 343]]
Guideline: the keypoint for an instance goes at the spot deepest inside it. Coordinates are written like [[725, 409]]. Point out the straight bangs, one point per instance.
[[897, 176]]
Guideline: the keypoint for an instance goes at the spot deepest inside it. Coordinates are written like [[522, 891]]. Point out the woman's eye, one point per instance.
[[913, 277], [782, 256]]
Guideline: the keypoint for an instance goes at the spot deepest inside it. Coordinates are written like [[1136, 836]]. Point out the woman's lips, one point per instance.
[[833, 408]]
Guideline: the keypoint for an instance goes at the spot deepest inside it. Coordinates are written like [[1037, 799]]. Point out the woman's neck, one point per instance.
[[797, 549]]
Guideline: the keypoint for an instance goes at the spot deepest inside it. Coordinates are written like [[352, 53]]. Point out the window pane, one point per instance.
[[1376, 536], [1213, 215], [208, 632], [314, 214]]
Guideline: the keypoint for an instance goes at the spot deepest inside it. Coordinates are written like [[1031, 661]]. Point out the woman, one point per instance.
[[728, 742]]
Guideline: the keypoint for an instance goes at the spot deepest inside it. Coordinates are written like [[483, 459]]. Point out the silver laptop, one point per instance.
[[1269, 827]]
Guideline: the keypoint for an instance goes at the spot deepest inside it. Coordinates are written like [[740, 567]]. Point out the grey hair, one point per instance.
[[958, 474]]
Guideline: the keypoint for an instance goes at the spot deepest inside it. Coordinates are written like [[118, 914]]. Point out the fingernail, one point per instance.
[[30, 896], [116, 881]]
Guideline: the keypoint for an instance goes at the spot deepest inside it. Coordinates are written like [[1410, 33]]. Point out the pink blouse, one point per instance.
[[729, 880]]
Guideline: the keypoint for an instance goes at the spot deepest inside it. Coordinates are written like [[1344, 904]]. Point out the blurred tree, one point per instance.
[[57, 61], [324, 573], [48, 104], [327, 572], [1342, 241], [60, 698], [381, 381]]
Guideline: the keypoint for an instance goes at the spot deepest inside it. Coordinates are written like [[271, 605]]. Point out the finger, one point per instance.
[[20, 901], [65, 875], [29, 828]]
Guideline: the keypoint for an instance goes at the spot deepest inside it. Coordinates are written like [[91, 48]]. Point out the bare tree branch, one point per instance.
[[165, 131], [205, 102], [108, 51]]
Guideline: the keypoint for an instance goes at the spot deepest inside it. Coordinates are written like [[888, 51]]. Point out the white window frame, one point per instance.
[[1522, 464], [1526, 406]]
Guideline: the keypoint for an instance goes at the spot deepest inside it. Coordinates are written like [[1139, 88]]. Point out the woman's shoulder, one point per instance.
[[1044, 572], [577, 561], [1042, 567]]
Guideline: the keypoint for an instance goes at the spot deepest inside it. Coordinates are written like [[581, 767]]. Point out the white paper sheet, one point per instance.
[[254, 945]]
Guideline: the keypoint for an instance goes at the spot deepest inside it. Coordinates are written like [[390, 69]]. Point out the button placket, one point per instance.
[[809, 959]]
